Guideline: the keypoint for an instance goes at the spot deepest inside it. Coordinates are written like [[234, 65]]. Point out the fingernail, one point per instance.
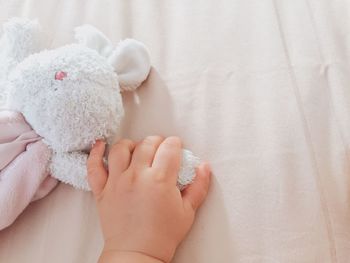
[[98, 142], [206, 168], [173, 140]]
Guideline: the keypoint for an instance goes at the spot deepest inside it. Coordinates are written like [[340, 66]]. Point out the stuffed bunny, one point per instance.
[[70, 96]]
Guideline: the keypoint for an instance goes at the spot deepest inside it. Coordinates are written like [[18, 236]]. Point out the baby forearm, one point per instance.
[[126, 257]]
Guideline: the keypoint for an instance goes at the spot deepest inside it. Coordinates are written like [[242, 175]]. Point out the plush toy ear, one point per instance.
[[21, 37], [130, 58], [131, 62], [93, 38]]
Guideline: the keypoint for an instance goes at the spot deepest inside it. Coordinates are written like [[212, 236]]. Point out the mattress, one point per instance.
[[260, 89]]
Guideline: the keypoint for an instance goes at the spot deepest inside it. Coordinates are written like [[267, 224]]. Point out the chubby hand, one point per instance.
[[143, 215]]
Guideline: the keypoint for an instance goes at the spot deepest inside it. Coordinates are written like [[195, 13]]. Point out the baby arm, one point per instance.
[[143, 215]]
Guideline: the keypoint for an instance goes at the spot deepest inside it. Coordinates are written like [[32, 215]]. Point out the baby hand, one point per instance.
[[143, 215]]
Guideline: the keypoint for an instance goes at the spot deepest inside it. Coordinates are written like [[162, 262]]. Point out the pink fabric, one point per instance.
[[23, 167]]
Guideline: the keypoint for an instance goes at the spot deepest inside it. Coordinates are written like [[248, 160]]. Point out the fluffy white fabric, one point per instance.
[[82, 104], [125, 59], [20, 38], [187, 170], [130, 59], [70, 168], [70, 113]]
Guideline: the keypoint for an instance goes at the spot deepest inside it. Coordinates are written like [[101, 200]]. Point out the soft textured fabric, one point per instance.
[[71, 95], [15, 134], [24, 162], [259, 88]]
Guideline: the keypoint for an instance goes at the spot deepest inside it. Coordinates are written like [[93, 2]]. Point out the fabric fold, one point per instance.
[[24, 159]]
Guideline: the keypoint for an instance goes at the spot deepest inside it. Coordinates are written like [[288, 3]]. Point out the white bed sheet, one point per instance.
[[261, 89]]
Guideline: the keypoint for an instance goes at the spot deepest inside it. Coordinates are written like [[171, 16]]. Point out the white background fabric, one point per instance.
[[261, 89]]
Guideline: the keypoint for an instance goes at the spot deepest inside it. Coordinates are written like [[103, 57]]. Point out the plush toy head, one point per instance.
[[70, 95]]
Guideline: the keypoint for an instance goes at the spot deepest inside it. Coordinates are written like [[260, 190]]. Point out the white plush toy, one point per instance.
[[70, 95]]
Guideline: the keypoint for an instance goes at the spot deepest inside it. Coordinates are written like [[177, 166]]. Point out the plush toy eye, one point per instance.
[[60, 75]]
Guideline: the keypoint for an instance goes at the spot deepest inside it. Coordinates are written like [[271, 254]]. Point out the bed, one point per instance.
[[260, 89]]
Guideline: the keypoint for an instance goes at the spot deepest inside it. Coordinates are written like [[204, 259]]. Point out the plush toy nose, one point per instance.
[[60, 75]]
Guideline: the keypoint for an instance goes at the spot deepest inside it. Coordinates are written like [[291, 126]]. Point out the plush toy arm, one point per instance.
[[188, 169], [70, 168]]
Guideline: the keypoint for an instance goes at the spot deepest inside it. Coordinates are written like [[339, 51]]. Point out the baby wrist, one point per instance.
[[127, 257]]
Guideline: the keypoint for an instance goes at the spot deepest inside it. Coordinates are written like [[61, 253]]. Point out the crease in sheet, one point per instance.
[[308, 138], [324, 71]]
